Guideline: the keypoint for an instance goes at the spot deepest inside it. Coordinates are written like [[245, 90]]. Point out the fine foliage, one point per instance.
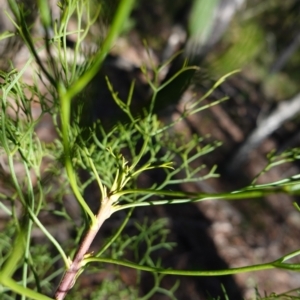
[[36, 176]]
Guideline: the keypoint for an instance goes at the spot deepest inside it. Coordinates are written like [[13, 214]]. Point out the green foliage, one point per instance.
[[244, 44], [37, 175], [201, 20]]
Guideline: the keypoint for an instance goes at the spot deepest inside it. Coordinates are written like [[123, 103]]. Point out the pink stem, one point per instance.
[[68, 279]]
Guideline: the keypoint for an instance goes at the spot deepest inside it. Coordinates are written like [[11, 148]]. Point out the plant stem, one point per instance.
[[252, 268], [70, 275]]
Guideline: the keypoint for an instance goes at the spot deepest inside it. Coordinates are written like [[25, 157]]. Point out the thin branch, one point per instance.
[[231, 271]]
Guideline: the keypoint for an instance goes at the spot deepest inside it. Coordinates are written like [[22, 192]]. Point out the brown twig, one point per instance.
[[69, 277]]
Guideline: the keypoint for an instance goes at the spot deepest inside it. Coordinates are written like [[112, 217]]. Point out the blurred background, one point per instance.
[[261, 39]]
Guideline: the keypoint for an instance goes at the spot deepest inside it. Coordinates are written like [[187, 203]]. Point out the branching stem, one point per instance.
[[75, 266]]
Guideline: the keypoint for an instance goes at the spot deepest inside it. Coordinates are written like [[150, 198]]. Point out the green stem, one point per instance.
[[194, 197], [65, 103], [101, 186], [232, 271], [30, 203], [30, 294], [66, 96], [15, 256], [116, 28], [49, 236]]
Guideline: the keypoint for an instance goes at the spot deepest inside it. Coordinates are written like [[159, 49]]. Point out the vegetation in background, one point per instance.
[[35, 176]]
